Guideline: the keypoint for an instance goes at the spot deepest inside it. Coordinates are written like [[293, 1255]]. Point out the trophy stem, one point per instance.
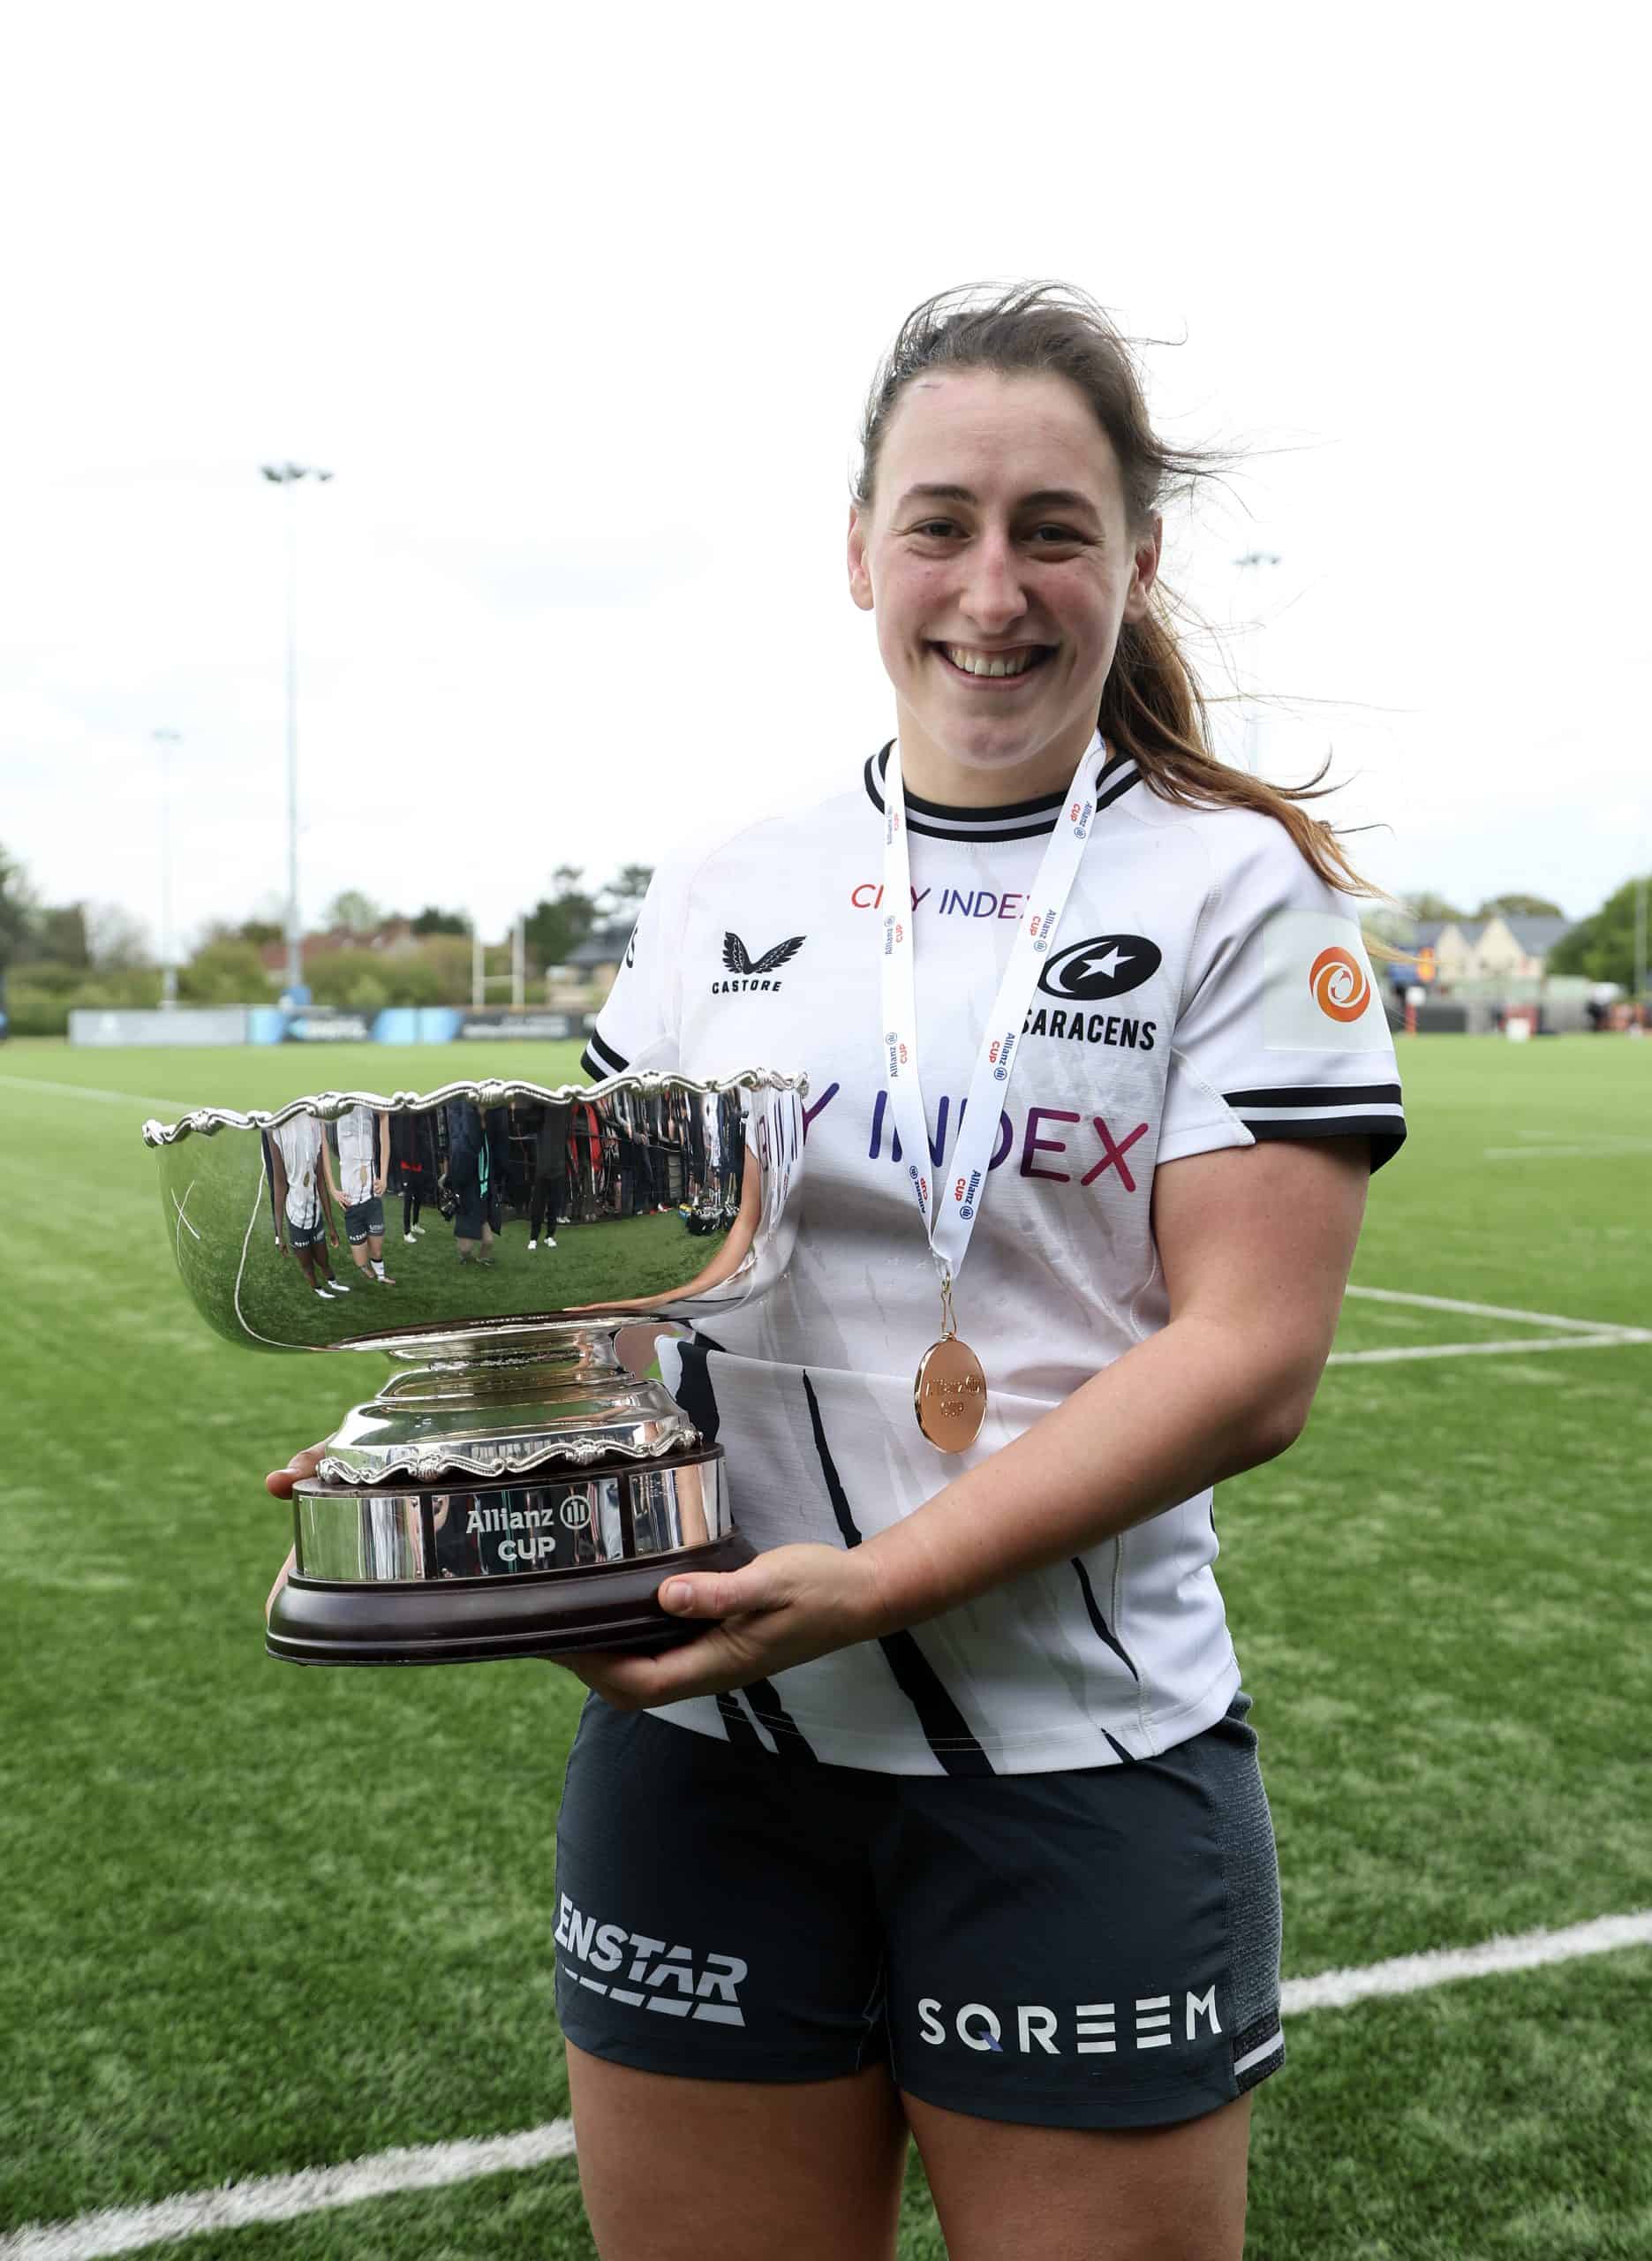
[[504, 1402]]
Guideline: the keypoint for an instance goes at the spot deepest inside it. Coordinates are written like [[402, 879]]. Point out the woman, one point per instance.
[[950, 1823]]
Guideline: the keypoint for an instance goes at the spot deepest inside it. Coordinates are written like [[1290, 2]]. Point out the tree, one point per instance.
[[17, 909], [626, 892], [1603, 948], [1426, 904], [431, 921], [558, 923], [58, 935], [115, 942], [352, 913], [1519, 906]]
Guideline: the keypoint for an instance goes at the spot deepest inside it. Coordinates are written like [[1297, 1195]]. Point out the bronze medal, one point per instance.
[[949, 1394]]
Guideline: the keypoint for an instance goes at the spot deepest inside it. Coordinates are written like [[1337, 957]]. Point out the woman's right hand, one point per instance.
[[279, 1483], [282, 1576]]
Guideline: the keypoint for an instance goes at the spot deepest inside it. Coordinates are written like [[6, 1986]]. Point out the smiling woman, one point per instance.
[[947, 1821], [1042, 367]]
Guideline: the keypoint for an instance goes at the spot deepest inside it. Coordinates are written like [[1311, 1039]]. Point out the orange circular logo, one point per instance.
[[1338, 981]]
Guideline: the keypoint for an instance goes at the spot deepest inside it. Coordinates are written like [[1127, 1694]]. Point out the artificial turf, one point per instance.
[[255, 1918]]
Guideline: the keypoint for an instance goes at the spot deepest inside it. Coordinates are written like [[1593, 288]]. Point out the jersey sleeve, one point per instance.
[[637, 1028], [1281, 1033]]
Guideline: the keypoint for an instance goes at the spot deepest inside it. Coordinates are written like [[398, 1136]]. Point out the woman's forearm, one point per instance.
[[1187, 1407]]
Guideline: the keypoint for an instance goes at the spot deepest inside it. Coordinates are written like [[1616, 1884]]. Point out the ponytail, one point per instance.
[[1153, 710]]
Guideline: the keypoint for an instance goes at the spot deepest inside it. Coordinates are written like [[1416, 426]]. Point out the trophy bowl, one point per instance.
[[513, 1489]]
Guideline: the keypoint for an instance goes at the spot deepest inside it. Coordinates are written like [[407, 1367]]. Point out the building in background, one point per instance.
[[1503, 948]]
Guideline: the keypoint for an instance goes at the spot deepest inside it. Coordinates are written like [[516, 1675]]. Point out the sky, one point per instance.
[[579, 307]]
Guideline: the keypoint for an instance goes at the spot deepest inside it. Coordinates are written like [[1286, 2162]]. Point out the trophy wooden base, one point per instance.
[[536, 1614]]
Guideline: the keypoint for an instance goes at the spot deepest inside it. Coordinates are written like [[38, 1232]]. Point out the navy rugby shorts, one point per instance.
[[1092, 1948], [364, 1220]]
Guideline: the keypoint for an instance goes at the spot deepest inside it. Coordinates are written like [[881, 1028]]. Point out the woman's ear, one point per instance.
[[1144, 570], [859, 571]]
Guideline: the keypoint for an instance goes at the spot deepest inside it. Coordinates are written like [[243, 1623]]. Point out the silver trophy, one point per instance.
[[513, 1489]]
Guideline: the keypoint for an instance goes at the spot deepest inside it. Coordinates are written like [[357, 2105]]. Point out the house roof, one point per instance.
[[1536, 936], [603, 945]]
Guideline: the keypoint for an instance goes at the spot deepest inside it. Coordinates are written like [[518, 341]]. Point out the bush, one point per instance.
[[48, 982], [366, 981], [37, 1017], [367, 994], [224, 973]]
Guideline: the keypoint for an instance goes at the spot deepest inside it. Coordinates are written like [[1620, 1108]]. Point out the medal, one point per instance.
[[949, 1388]]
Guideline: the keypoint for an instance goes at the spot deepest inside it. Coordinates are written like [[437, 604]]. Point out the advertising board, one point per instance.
[[542, 1027], [176, 1024]]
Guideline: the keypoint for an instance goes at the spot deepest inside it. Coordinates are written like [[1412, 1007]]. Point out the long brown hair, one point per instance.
[[1152, 709]]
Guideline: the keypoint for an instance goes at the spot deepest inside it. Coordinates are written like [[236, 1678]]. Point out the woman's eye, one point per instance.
[[937, 527], [1046, 536]]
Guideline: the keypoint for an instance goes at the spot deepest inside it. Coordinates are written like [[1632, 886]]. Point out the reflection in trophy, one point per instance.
[[513, 1489]]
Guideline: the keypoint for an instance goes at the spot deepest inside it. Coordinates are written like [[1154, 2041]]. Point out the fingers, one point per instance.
[[635, 1683], [281, 1580], [724, 1593], [280, 1481]]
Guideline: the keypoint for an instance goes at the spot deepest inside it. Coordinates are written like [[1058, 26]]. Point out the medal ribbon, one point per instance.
[[949, 1210]]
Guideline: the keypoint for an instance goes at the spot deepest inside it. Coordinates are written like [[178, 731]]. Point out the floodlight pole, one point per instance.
[[288, 476], [1254, 561], [1641, 937], [166, 740]]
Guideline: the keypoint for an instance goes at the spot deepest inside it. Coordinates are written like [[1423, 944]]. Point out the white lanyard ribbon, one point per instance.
[[949, 1216]]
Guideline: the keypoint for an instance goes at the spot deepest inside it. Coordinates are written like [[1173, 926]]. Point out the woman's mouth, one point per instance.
[[980, 666]]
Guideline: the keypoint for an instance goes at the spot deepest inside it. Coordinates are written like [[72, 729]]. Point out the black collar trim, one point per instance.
[[1012, 820]]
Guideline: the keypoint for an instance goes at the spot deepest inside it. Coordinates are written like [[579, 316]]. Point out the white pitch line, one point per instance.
[[1608, 1339], [1411, 1974], [1487, 1311], [316, 2190], [1604, 1150], [89, 1090], [283, 2197]]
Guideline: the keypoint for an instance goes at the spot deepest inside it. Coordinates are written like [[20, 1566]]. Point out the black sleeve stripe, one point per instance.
[[1387, 1132], [596, 1049], [1326, 1126], [1316, 1095]]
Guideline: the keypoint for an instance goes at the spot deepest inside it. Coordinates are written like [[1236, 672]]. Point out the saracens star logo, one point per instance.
[[1109, 965], [755, 973]]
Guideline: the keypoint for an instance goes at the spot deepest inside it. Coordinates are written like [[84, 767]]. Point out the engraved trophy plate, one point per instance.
[[512, 1489]]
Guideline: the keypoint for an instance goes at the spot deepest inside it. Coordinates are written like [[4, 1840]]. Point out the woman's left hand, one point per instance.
[[793, 1603]]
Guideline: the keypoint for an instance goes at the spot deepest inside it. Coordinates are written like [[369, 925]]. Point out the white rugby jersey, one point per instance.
[[1207, 991], [299, 1138], [358, 1153]]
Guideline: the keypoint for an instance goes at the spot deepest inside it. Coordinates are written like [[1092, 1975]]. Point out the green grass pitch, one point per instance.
[[256, 1919]]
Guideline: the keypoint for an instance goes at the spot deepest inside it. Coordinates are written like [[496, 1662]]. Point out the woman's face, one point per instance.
[[998, 559]]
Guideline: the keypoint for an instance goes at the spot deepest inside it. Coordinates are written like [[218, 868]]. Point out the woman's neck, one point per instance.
[[931, 774]]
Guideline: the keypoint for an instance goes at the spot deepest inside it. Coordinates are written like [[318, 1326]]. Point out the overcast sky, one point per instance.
[[580, 307]]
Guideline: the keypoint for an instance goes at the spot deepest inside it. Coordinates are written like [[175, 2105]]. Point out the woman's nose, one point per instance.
[[992, 594]]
